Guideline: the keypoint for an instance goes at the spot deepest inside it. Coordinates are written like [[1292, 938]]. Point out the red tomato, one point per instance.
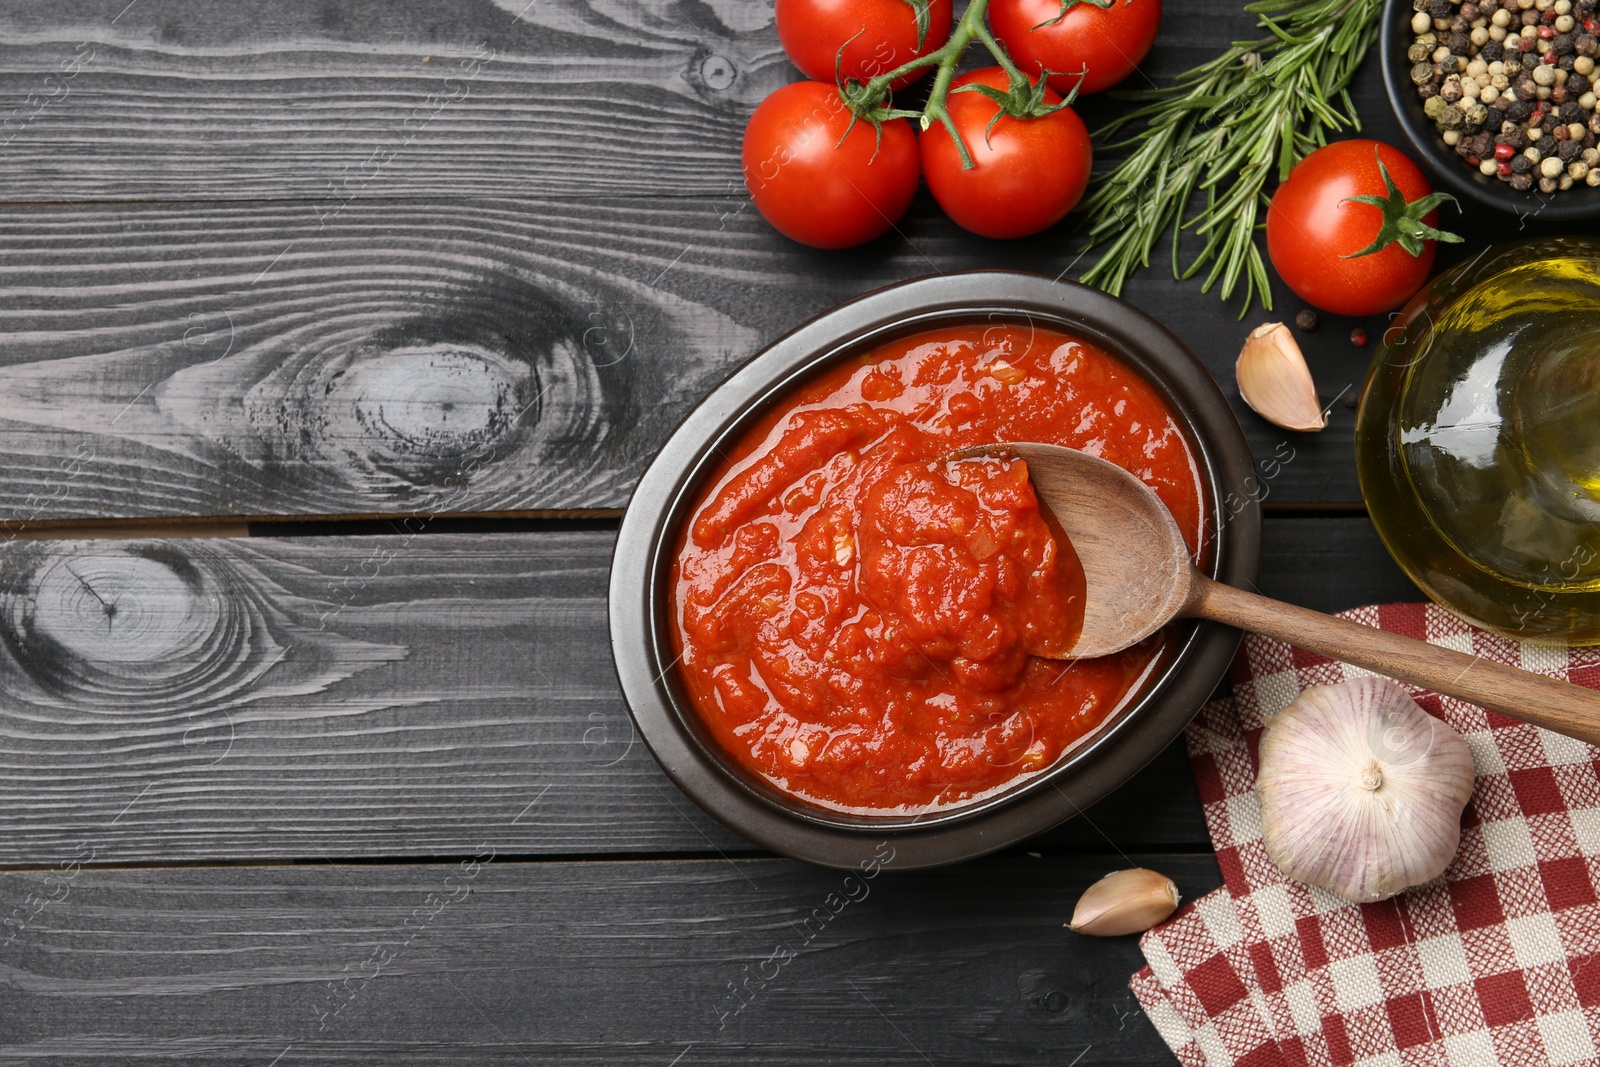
[[1311, 229], [1110, 42], [882, 36], [1029, 172], [812, 187]]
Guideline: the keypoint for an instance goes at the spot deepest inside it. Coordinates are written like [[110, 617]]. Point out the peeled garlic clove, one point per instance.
[[1125, 902], [1361, 790], [1275, 381]]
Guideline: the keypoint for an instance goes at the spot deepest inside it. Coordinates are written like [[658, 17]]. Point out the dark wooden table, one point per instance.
[[409, 293]]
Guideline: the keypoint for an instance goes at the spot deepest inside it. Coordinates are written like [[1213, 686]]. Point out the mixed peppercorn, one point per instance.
[[1511, 85]]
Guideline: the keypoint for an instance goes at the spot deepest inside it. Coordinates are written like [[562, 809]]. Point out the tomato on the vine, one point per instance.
[[1353, 235], [1028, 172], [1109, 41], [881, 35], [817, 184]]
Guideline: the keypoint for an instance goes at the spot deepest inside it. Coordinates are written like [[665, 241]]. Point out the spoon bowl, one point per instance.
[[1136, 566], [1138, 576]]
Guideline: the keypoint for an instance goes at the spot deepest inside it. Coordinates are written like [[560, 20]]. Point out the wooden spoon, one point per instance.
[[1139, 576]]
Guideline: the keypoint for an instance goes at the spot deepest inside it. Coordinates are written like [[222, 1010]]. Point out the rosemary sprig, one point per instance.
[[1220, 131]]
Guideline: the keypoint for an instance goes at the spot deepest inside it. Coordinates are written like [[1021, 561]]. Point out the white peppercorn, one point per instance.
[[1544, 75], [1564, 23], [1583, 65], [1532, 153], [1420, 23], [1451, 137], [1497, 33], [1593, 177], [1577, 170], [1563, 7], [1501, 18], [1576, 130], [1550, 167], [1564, 182]]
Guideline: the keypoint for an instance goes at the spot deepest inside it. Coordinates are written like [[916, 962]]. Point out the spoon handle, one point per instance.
[[1543, 701]]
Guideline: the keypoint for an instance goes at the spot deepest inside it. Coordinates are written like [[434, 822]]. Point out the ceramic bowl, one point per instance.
[[1451, 170], [640, 589]]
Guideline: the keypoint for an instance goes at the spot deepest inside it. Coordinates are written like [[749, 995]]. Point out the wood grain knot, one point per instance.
[[135, 628], [419, 416], [439, 413]]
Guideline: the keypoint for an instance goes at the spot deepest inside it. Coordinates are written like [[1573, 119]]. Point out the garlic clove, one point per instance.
[[1125, 902], [1275, 381], [1361, 790]]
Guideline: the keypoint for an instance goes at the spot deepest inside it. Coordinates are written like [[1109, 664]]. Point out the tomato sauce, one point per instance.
[[864, 623]]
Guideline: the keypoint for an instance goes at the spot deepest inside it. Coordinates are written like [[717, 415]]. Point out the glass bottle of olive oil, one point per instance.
[[1478, 439]]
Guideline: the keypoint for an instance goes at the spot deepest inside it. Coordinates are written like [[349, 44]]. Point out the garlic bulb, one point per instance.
[[1361, 790], [1125, 902], [1275, 381]]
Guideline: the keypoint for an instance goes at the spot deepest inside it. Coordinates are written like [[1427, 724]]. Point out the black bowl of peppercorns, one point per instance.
[[1501, 98]]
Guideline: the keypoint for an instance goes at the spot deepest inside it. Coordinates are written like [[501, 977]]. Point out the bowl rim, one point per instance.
[[669, 487], [1423, 138]]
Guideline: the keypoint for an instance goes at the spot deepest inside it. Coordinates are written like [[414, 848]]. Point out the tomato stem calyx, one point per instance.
[[1022, 99], [1402, 222], [920, 10], [1068, 5]]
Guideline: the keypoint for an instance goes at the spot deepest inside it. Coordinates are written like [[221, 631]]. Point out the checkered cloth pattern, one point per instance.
[[1495, 962]]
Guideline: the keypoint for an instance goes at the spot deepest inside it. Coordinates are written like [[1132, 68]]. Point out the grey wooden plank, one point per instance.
[[299, 99], [166, 361], [245, 698], [1330, 563], [733, 962], [281, 698], [303, 100]]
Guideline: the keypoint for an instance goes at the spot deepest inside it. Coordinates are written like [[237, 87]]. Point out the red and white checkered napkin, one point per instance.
[[1497, 961]]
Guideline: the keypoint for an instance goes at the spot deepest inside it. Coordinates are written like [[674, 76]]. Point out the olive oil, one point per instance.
[[1478, 440]]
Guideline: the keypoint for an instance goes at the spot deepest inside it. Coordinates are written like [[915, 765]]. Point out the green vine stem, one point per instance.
[[869, 100]]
